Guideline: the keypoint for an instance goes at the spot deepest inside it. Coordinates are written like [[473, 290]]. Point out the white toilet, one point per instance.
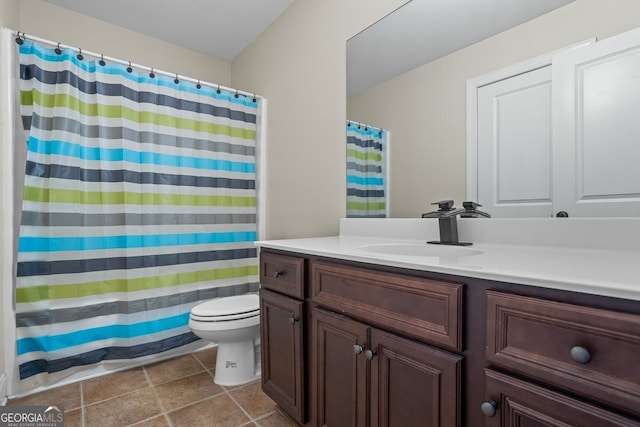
[[233, 323]]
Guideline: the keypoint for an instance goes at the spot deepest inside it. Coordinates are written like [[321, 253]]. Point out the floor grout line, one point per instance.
[[82, 404], [240, 406], [163, 410]]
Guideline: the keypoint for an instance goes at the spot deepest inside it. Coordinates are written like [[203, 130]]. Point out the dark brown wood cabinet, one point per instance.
[[413, 384], [354, 344], [563, 362], [368, 377], [339, 396], [282, 333], [516, 403], [364, 375]]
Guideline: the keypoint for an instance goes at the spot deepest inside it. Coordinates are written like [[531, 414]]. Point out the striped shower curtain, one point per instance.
[[366, 171], [139, 202]]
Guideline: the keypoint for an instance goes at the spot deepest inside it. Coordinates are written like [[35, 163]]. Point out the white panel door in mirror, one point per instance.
[[597, 128], [514, 145]]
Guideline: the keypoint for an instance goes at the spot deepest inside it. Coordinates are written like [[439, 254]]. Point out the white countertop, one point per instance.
[[608, 272]]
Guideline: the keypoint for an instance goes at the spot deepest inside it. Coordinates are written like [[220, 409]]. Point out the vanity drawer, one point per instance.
[[590, 352], [282, 273], [428, 310]]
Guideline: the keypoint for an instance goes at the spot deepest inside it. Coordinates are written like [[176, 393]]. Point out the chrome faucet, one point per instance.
[[447, 222]]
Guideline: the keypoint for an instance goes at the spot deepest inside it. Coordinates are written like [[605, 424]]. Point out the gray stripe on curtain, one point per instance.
[[106, 175], [128, 307], [36, 268], [67, 124], [364, 168], [110, 89], [53, 219]]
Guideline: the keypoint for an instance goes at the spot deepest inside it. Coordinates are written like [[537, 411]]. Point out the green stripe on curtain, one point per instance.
[[366, 171], [139, 203]]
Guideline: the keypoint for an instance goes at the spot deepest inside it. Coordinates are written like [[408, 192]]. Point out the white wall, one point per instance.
[[299, 65], [425, 108]]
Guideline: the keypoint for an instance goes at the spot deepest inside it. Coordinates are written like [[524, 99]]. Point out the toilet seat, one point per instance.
[[227, 309]]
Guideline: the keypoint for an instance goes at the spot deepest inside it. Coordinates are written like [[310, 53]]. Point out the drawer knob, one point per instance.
[[369, 354], [277, 273], [358, 348], [293, 319], [489, 408], [580, 354]]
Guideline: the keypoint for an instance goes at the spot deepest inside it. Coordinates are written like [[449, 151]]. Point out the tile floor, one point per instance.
[[176, 392]]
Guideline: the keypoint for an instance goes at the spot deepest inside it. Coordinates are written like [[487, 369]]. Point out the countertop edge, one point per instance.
[[554, 273]]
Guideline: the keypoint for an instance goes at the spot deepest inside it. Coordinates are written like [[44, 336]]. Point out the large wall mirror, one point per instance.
[[408, 74]]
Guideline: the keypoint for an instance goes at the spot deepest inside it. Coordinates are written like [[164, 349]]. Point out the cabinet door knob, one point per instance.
[[580, 354], [278, 273], [293, 319], [489, 408], [358, 348], [369, 354]]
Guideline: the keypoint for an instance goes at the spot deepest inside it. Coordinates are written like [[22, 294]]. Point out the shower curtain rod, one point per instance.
[[22, 35], [365, 125]]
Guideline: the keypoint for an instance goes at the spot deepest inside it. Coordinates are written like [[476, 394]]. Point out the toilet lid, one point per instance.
[[228, 306]]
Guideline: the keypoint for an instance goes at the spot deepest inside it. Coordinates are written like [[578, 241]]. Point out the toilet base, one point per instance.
[[237, 363]]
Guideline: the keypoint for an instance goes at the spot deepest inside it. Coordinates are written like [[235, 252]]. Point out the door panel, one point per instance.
[[514, 145], [596, 131], [519, 403], [339, 372], [413, 384], [281, 327]]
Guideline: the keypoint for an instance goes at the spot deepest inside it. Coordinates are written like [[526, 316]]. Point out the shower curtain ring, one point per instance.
[[198, 85], [58, 50], [254, 98], [218, 91], [19, 39], [79, 56], [176, 81], [129, 69], [102, 60], [236, 95], [152, 74]]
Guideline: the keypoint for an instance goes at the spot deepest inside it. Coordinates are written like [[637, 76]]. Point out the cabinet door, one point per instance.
[[413, 384], [596, 131], [281, 327], [514, 145], [513, 403], [339, 373]]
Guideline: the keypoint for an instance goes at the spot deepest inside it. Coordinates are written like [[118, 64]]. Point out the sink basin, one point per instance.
[[414, 249]]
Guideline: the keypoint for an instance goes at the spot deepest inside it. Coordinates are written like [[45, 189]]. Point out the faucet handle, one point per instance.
[[470, 210], [444, 205]]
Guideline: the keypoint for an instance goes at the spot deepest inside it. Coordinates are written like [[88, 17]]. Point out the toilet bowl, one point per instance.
[[233, 323]]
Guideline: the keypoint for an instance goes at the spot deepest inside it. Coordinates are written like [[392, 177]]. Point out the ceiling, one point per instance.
[[424, 30], [221, 28]]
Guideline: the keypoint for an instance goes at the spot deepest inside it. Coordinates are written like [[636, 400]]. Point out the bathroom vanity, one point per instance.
[[367, 330]]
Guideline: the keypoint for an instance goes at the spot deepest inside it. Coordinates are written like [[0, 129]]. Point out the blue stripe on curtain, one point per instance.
[[366, 171], [139, 203]]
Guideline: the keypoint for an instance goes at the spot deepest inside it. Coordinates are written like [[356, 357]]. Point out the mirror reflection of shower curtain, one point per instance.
[[367, 182], [139, 202]]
